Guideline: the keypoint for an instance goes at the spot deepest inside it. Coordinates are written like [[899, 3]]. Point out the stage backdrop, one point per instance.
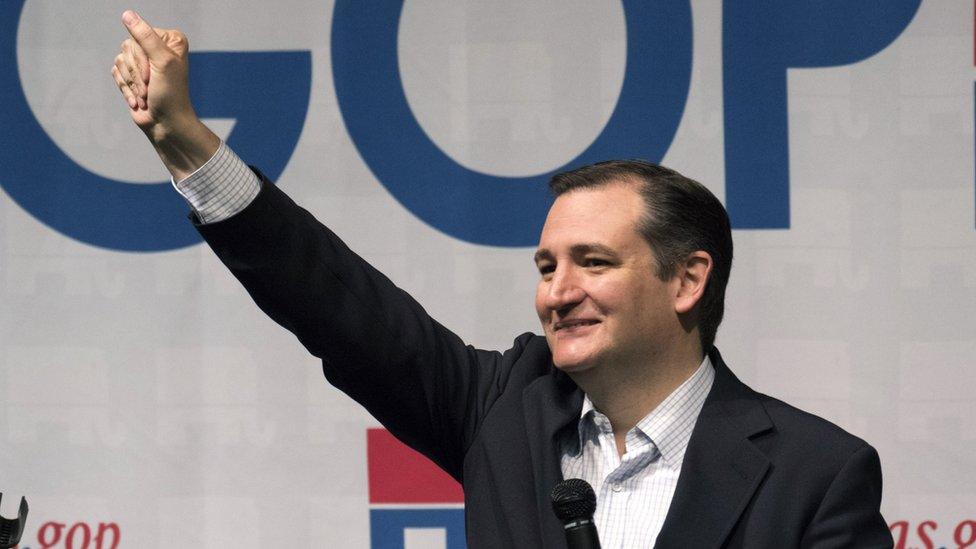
[[144, 398]]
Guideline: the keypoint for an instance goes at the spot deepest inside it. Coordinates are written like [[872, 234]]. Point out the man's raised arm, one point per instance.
[[377, 344]]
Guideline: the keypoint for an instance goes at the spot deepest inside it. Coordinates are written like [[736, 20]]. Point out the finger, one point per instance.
[[144, 35], [130, 72], [121, 81], [123, 71], [124, 88], [138, 55], [133, 77], [142, 61], [137, 70]]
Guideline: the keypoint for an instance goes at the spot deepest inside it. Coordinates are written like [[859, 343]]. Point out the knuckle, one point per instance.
[[145, 32], [166, 63], [178, 41]]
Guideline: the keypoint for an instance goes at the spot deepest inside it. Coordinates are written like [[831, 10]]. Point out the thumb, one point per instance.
[[144, 35]]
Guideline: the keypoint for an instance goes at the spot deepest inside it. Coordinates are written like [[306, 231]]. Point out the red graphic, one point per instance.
[[398, 474], [80, 535], [926, 533]]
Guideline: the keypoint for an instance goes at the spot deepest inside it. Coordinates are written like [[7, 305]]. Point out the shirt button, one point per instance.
[[616, 487]]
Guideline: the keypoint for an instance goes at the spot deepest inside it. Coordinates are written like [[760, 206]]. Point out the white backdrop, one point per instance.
[[145, 389]]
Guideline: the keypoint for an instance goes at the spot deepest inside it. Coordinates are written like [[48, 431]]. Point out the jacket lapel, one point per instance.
[[722, 469], [551, 404]]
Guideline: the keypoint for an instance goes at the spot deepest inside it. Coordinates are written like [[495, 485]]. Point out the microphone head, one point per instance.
[[573, 499]]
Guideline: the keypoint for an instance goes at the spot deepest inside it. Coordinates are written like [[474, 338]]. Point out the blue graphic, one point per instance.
[[761, 40], [266, 92], [386, 526], [475, 206]]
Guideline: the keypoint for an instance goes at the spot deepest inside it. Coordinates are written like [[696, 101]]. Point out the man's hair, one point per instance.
[[680, 217]]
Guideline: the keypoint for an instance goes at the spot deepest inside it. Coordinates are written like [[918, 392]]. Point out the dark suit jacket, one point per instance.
[[757, 472]]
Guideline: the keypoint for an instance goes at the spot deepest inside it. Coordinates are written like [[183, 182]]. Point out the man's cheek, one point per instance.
[[540, 308]]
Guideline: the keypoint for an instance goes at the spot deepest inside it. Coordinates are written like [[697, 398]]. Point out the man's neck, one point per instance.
[[628, 393]]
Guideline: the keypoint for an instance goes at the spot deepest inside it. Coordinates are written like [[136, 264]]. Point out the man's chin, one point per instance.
[[572, 365], [575, 356]]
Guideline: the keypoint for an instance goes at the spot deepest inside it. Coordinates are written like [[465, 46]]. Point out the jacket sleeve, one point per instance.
[[849, 514], [376, 343]]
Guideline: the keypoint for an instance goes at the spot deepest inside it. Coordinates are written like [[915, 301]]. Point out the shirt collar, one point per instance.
[[669, 425]]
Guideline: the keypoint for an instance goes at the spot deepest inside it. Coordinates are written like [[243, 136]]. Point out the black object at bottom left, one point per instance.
[[11, 529]]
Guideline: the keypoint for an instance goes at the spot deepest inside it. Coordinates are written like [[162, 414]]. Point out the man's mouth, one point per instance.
[[574, 323]]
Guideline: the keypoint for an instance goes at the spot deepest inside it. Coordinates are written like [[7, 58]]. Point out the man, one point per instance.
[[626, 390]]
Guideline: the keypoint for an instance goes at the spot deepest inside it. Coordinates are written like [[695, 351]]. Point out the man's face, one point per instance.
[[599, 297]]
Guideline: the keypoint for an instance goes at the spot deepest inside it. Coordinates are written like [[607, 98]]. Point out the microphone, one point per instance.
[[574, 502], [11, 529]]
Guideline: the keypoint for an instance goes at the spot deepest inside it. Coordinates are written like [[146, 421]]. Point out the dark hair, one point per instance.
[[681, 216]]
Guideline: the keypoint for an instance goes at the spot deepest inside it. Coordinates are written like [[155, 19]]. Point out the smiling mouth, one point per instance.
[[571, 324]]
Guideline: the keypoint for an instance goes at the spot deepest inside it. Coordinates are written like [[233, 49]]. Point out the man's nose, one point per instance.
[[564, 289]]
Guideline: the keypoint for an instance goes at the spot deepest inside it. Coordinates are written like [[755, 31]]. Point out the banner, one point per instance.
[[147, 402]]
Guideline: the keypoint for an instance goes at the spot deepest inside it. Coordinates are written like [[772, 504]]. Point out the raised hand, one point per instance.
[[152, 72]]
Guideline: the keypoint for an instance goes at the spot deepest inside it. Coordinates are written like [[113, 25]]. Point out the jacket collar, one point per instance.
[[721, 471], [722, 468]]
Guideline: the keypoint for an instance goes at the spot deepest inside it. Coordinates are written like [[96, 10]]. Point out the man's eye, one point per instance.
[[546, 268], [595, 262]]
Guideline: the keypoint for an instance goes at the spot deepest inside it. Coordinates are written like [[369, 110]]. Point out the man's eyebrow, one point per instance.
[[577, 250], [589, 247]]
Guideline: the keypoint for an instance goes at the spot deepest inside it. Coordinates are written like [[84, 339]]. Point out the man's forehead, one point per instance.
[[610, 207]]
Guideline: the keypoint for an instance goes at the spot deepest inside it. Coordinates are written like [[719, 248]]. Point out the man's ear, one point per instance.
[[692, 276]]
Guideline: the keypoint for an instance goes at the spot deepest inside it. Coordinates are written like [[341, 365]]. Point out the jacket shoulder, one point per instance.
[[806, 443], [527, 359]]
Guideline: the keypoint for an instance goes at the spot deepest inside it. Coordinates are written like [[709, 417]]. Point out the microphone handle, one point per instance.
[[582, 535]]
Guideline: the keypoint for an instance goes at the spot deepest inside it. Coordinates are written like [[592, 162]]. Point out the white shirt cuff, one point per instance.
[[220, 188]]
